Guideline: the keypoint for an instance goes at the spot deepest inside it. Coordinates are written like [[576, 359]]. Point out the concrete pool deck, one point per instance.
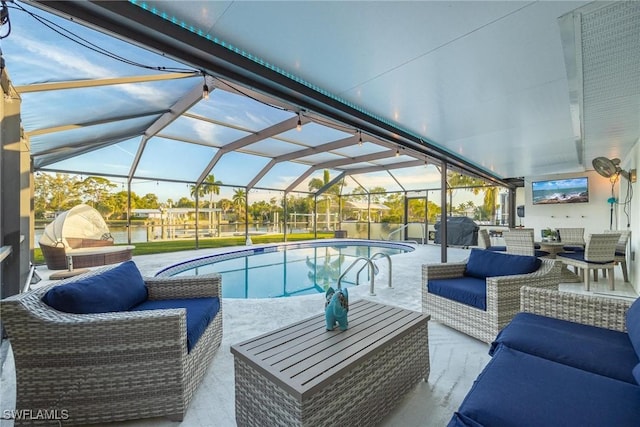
[[456, 359]]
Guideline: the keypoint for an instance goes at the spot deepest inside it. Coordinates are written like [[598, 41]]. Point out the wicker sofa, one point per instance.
[[485, 290], [115, 365], [566, 360]]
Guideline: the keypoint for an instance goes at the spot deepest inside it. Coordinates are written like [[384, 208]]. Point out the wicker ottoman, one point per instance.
[[303, 375]]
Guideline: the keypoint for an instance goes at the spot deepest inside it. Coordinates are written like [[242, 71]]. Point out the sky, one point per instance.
[[59, 122]]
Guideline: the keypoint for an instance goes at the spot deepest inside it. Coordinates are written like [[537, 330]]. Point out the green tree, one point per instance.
[[94, 190], [225, 205], [433, 212], [183, 202], [395, 214], [260, 211], [40, 195], [148, 201], [490, 195], [116, 205], [239, 200], [475, 185], [60, 192], [316, 184], [377, 194], [208, 187]]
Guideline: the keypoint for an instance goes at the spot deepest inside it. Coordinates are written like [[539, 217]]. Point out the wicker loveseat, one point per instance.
[[115, 365], [567, 360], [482, 294]]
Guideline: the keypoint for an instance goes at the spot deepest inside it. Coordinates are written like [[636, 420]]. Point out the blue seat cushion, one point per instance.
[[482, 264], [497, 248], [540, 253], [579, 256], [598, 350], [116, 289], [570, 248], [621, 253], [200, 312], [523, 390], [461, 420], [633, 329], [466, 290]]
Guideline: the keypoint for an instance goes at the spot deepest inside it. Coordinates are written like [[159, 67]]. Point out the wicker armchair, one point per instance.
[[503, 298], [591, 310], [110, 366]]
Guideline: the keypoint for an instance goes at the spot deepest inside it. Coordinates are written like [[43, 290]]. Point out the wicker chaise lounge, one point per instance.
[[88, 254], [502, 297], [110, 366], [80, 238]]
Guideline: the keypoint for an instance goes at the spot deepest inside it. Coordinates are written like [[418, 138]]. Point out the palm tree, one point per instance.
[[476, 185], [208, 187], [239, 200], [316, 184], [490, 195]]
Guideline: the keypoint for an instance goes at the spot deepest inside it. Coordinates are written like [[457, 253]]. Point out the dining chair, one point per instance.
[[621, 251], [484, 241], [520, 242], [598, 254], [573, 238]]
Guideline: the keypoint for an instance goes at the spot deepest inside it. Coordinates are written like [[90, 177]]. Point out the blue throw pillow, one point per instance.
[[117, 289], [636, 373], [483, 264], [633, 325]]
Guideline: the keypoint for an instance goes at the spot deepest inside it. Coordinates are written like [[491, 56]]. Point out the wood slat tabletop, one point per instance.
[[304, 356]]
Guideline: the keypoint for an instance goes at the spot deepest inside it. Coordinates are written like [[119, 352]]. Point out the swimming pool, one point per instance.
[[286, 269]]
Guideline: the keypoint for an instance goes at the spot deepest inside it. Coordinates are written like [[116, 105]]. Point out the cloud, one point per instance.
[[207, 132], [58, 58], [61, 62]]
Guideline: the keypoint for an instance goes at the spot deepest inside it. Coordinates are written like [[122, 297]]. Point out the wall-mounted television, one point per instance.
[[570, 190]]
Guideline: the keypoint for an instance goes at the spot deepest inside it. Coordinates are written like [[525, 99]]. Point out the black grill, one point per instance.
[[461, 231]]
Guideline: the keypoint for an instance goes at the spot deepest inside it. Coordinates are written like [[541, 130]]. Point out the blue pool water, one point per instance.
[[283, 270]]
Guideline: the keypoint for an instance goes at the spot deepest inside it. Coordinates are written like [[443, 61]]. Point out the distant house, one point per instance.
[[146, 213], [176, 214], [361, 209]]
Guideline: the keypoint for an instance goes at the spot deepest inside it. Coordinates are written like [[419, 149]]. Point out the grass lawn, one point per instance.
[[148, 248]]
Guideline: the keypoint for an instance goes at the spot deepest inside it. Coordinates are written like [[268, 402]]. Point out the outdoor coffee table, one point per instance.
[[304, 375]]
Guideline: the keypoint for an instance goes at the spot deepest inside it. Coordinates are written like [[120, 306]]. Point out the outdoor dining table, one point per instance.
[[554, 247]]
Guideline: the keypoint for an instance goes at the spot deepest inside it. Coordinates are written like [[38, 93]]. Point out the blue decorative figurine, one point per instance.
[[336, 308]]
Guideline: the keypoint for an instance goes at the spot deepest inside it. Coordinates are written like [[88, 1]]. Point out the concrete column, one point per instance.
[[16, 221]]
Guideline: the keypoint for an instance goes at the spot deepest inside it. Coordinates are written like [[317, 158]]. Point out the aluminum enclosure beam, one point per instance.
[[134, 24]]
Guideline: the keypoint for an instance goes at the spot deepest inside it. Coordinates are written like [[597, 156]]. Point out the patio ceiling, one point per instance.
[[508, 89]]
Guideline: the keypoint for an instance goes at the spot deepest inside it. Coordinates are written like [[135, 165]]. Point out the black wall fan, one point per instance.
[[611, 167]]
